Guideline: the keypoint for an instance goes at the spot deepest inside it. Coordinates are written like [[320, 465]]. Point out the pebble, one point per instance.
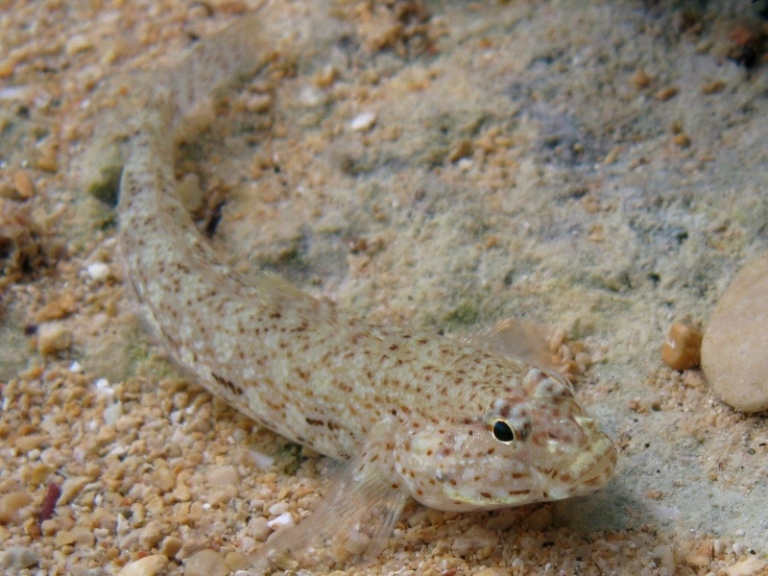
[[98, 271], [221, 495], [182, 493], [237, 561], [84, 538], [77, 43], [11, 504], [259, 528], [151, 534], [640, 79], [22, 183], [113, 412], [30, 442], [224, 476], [18, 557], [171, 546], [70, 488], [541, 519], [261, 460], [53, 338], [311, 97], [666, 93], [57, 309], [702, 556], [259, 103], [734, 352], [419, 516], [681, 140], [206, 563], [664, 557], [278, 508], [147, 566], [476, 540], [285, 519], [682, 349], [493, 572], [64, 538], [749, 567], [130, 540], [363, 122]]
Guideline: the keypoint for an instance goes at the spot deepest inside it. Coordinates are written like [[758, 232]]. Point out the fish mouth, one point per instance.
[[588, 470], [602, 463]]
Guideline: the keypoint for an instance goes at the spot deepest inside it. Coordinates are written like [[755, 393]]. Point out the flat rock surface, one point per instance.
[[596, 166], [735, 348]]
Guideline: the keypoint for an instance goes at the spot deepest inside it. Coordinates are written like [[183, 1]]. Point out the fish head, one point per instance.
[[535, 445]]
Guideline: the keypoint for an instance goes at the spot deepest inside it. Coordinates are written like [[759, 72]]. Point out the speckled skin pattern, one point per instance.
[[415, 414]]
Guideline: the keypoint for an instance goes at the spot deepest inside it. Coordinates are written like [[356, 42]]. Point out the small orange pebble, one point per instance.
[[634, 405], [701, 556], [682, 350], [713, 87], [612, 155], [681, 140], [666, 93], [640, 79], [23, 184]]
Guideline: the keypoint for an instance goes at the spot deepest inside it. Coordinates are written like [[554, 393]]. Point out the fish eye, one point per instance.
[[502, 431]]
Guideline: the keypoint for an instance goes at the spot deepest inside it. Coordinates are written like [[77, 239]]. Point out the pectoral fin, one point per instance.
[[351, 523]]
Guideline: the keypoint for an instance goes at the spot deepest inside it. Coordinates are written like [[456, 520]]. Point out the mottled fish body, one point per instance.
[[413, 414]]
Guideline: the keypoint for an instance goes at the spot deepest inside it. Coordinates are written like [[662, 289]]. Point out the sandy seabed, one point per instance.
[[599, 167]]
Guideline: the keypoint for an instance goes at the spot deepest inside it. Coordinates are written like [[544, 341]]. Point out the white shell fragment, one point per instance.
[[363, 122]]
